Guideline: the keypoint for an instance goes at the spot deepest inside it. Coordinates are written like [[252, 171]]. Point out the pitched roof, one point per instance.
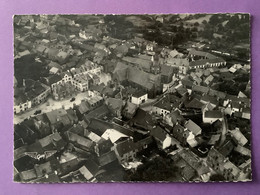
[[239, 136], [28, 175], [143, 118], [125, 147], [54, 79], [107, 158], [213, 114], [216, 93], [114, 103], [99, 127], [121, 71], [113, 135], [97, 113], [194, 103], [81, 141], [195, 52], [65, 73], [84, 107], [199, 88], [194, 161], [143, 142], [214, 139], [77, 129], [145, 64], [130, 107], [193, 127], [158, 133], [92, 167], [55, 115], [44, 168], [166, 70], [144, 79], [139, 93], [52, 141], [177, 62], [165, 104], [209, 79], [103, 146], [210, 99], [187, 83], [86, 173]]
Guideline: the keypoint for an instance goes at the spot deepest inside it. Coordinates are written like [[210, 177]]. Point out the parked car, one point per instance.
[[72, 99], [37, 112]]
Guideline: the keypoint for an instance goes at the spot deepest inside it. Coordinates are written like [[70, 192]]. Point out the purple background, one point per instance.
[[8, 8]]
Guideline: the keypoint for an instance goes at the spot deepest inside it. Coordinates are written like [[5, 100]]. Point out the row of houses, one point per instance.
[[32, 93]]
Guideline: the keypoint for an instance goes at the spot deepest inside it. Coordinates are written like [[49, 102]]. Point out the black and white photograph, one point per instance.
[[132, 98]]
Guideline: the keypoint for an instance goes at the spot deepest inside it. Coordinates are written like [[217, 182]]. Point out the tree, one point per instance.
[[214, 20], [204, 22], [196, 24]]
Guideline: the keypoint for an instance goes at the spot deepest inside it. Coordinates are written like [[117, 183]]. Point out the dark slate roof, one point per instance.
[[92, 167], [121, 71], [84, 107], [216, 93], [166, 70], [54, 79], [143, 118], [97, 113], [210, 99], [104, 146], [139, 93], [77, 129], [201, 53], [107, 158], [213, 114], [187, 83], [125, 147], [143, 142], [158, 133], [164, 104], [83, 142], [53, 141], [144, 79], [144, 64], [194, 103], [71, 114], [199, 88]]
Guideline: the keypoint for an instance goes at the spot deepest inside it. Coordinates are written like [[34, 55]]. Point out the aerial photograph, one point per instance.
[[132, 98]]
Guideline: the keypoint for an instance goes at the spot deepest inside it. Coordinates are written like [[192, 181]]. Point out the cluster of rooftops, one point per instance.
[[159, 100]]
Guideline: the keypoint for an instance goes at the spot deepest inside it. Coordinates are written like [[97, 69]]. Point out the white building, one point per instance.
[[66, 76], [21, 106], [80, 83], [139, 97], [212, 116]]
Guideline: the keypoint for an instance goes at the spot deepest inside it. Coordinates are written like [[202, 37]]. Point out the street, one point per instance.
[[50, 105]]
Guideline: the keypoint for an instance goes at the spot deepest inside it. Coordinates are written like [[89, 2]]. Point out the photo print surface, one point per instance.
[[127, 98]]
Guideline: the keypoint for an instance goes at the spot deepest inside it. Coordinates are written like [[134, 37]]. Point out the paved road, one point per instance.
[[50, 105]]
